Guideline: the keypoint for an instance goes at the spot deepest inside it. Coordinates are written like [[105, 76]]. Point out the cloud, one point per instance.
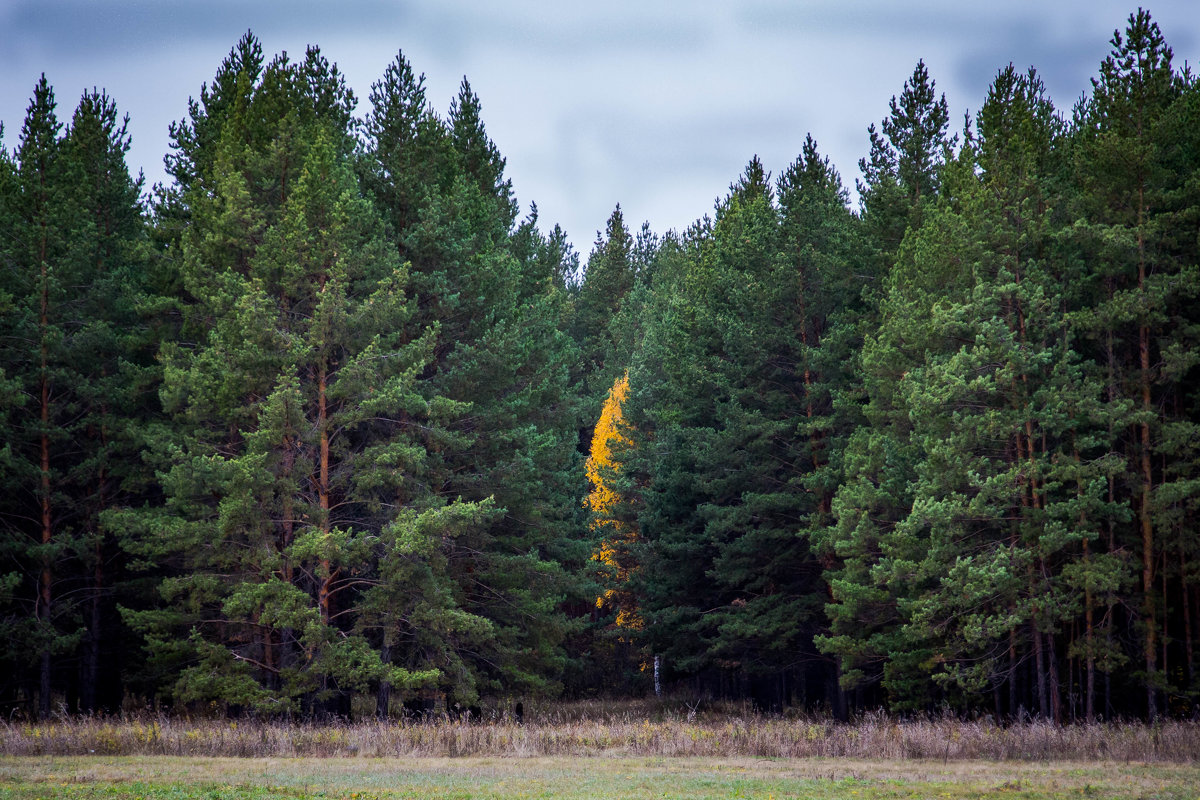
[[656, 105], [1064, 66], [861, 19], [544, 31], [86, 29]]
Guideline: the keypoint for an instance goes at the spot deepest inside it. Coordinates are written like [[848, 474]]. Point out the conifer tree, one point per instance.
[[607, 279], [549, 263], [901, 174], [410, 158], [1129, 209], [13, 586], [733, 461], [616, 535], [901, 178], [477, 156], [491, 290], [73, 269], [112, 370], [41, 282], [293, 471]]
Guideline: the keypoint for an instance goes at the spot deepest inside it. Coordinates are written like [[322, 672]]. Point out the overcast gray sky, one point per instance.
[[655, 105]]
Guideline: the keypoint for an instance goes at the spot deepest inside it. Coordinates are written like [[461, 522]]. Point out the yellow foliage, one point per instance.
[[609, 432], [601, 467]]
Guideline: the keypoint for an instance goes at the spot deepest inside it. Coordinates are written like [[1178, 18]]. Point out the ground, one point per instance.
[[171, 778]]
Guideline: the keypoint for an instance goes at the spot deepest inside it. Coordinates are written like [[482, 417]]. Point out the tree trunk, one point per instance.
[[47, 576], [1089, 609], [1108, 615], [91, 664], [284, 651], [1013, 699], [1163, 667], [1055, 692], [1040, 666], [1187, 617], [1181, 536], [1144, 517], [325, 591], [1090, 640], [383, 695]]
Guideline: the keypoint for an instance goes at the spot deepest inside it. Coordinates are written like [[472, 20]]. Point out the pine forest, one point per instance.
[[327, 426]]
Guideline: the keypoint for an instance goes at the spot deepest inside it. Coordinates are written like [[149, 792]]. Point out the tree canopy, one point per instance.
[[325, 426]]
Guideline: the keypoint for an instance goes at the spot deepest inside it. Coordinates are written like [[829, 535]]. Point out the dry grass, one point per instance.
[[632, 730]]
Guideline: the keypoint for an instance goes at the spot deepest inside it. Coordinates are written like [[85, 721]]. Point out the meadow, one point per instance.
[[175, 778], [598, 751]]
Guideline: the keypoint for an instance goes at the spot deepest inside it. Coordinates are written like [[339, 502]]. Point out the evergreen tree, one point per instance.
[[548, 262], [491, 290], [608, 278], [478, 158], [409, 160], [899, 193], [901, 174], [41, 282], [1178, 345], [1130, 176], [726, 396], [113, 372], [73, 270], [293, 472], [15, 617]]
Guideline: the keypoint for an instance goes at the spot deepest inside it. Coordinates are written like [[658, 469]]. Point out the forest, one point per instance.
[[325, 427]]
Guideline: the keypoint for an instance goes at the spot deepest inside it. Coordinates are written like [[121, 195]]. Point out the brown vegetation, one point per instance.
[[647, 730]]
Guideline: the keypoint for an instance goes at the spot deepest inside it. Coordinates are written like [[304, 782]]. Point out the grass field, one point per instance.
[[175, 778]]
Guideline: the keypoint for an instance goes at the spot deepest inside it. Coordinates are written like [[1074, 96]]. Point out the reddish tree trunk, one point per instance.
[[1147, 524], [47, 576], [325, 591]]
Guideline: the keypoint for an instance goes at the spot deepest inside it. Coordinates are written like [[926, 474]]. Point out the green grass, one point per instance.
[[174, 778]]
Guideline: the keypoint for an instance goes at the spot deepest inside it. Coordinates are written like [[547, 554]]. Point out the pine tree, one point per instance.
[[549, 263], [73, 272], [113, 372], [294, 470], [609, 276], [42, 288], [502, 355], [1125, 145], [410, 151], [15, 617], [730, 461], [1179, 344], [823, 307], [899, 191], [901, 174], [477, 156]]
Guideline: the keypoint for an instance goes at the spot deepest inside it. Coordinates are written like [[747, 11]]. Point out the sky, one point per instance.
[[654, 104]]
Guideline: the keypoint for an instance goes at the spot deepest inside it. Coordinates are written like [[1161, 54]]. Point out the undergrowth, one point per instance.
[[631, 729]]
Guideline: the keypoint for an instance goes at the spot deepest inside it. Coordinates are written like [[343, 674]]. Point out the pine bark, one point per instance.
[[1147, 480], [325, 591], [47, 575]]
